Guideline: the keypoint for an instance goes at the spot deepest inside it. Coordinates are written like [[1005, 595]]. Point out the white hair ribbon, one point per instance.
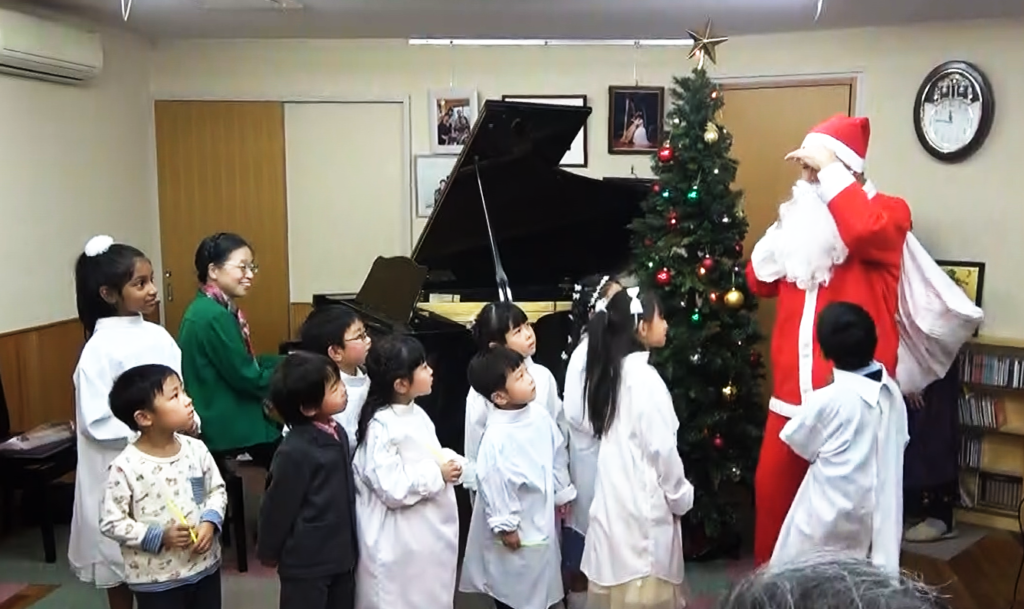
[[600, 305], [597, 293], [635, 306], [98, 245]]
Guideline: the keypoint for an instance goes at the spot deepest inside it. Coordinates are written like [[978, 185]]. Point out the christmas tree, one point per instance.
[[689, 249]]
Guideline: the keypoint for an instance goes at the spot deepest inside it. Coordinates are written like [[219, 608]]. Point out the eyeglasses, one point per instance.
[[252, 267], [361, 337]]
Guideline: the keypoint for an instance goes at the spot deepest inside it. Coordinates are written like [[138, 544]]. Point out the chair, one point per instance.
[[235, 516], [33, 472]]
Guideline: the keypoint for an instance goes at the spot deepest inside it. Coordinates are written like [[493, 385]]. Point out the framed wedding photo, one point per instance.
[[635, 119], [432, 173], [576, 156], [452, 115]]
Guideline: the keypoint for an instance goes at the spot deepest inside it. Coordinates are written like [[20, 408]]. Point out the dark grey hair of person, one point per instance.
[[829, 583]]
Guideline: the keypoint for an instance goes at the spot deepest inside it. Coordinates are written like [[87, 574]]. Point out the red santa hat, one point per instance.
[[846, 136]]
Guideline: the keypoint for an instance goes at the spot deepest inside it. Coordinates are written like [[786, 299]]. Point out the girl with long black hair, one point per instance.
[[634, 553]]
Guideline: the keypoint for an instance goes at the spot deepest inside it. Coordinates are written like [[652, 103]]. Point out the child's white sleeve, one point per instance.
[[476, 422], [659, 428], [564, 489], [92, 392], [806, 432], [396, 483], [116, 520], [501, 504]]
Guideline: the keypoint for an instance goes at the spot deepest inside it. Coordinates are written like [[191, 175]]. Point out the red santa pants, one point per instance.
[[780, 471]]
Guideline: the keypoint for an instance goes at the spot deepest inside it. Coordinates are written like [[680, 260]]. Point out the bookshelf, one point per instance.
[[991, 412]]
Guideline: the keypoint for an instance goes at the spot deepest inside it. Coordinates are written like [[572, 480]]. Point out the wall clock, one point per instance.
[[953, 111]]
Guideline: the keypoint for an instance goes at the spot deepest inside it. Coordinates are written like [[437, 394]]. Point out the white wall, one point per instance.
[[969, 211], [74, 162]]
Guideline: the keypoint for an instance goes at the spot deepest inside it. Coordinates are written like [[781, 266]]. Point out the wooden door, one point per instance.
[[767, 121], [221, 167]]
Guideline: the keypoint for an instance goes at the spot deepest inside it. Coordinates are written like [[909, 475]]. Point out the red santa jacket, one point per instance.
[[873, 227]]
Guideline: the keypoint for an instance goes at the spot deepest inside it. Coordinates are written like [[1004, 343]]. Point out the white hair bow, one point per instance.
[[596, 297], [601, 305], [635, 306], [98, 245]]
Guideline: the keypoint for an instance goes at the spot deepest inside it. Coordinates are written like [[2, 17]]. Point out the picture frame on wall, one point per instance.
[[636, 117], [576, 156], [968, 275], [432, 174], [453, 113]]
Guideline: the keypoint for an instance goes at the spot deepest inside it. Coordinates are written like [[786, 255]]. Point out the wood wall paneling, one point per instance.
[[37, 365]]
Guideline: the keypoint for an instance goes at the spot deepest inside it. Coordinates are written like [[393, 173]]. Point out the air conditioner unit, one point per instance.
[[46, 50]]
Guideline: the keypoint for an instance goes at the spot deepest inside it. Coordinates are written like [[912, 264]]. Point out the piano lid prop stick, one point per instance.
[[504, 292]]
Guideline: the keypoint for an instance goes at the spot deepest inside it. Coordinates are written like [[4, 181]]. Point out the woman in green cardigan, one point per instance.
[[226, 380]]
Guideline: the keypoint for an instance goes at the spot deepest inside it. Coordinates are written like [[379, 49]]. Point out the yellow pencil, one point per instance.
[[181, 517]]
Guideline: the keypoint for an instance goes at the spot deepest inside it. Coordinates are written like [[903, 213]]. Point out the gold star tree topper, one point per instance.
[[704, 46]]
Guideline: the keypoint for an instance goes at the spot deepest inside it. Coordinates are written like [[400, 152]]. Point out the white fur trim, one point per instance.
[[843, 152], [834, 179], [98, 245], [805, 342], [783, 408]]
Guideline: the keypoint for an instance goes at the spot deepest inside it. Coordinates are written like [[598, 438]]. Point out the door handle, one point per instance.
[[168, 288]]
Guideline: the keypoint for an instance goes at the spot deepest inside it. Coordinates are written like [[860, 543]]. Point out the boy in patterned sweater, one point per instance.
[[165, 499]]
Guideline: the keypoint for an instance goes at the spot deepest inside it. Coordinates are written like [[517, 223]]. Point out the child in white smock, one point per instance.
[[634, 551]]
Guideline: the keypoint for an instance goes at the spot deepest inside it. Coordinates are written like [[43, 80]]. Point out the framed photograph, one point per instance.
[[970, 276], [452, 115], [576, 156], [635, 119], [432, 172]]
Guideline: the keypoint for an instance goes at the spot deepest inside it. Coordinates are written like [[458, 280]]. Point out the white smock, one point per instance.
[[634, 551], [407, 517], [522, 475], [117, 344], [853, 432], [583, 446]]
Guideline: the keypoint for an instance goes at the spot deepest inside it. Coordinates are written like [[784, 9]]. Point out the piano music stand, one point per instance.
[[392, 287]]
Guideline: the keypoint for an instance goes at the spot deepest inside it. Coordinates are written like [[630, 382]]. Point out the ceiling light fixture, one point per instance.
[[126, 7], [537, 42]]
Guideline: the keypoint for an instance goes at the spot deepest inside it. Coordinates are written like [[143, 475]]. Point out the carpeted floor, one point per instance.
[[21, 565]]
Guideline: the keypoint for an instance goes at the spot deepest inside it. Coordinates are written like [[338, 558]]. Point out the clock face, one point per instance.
[[951, 113]]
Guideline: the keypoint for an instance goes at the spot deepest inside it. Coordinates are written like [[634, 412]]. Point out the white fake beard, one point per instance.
[[808, 245]]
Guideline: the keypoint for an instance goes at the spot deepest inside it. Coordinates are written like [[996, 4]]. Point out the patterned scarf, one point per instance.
[[212, 291]]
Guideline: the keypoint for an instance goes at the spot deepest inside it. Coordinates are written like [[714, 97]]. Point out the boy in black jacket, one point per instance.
[[307, 520]]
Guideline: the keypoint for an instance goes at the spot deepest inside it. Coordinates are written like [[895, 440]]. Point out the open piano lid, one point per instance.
[[549, 225]]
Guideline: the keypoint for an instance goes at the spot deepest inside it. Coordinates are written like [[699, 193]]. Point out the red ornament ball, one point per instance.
[[666, 154], [656, 187], [739, 248], [755, 357], [718, 442], [672, 218], [663, 277], [707, 263]]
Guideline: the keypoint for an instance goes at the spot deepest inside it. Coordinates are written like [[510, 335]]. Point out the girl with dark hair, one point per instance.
[[228, 382], [405, 501], [590, 294], [114, 288], [504, 323], [634, 551]]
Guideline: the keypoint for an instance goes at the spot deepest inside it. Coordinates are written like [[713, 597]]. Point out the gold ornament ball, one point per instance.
[[729, 392], [710, 136], [734, 298]]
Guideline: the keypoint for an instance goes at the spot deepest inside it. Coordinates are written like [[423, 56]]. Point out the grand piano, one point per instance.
[[510, 224]]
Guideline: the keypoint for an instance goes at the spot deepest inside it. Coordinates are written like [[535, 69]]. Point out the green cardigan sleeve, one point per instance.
[[224, 347]]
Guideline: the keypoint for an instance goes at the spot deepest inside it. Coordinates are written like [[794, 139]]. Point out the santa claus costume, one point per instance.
[[838, 239]]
